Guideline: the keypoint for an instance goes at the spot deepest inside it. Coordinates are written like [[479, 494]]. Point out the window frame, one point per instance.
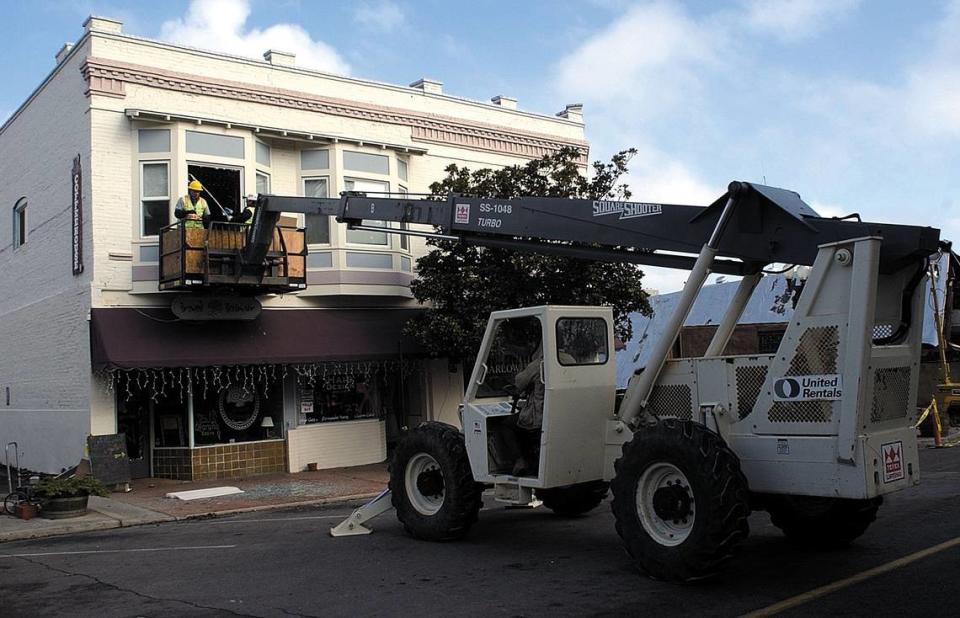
[[256, 157], [215, 155], [307, 171], [256, 176], [21, 227], [388, 244], [140, 224], [404, 240], [361, 153], [303, 190], [606, 341], [153, 153]]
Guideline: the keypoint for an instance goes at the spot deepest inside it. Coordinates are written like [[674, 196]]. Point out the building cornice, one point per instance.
[[109, 77], [347, 79]]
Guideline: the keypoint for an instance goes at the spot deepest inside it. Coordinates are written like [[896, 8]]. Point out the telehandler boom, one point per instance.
[[816, 433]]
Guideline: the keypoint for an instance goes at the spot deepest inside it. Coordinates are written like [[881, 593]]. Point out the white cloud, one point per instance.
[[384, 16], [663, 280], [791, 20], [652, 54], [654, 177], [829, 210], [933, 88], [221, 25], [706, 101]]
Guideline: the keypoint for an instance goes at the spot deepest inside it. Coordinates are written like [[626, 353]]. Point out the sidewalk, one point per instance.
[[146, 502]]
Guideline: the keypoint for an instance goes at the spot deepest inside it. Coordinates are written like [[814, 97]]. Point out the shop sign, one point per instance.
[[195, 307], [76, 206]]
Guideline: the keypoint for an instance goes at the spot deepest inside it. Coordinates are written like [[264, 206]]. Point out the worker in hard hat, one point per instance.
[[193, 208]]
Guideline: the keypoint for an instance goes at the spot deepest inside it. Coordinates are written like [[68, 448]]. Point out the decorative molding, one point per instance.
[[105, 84], [108, 77], [489, 141]]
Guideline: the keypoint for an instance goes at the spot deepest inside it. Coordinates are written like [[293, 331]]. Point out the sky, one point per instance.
[[854, 104]]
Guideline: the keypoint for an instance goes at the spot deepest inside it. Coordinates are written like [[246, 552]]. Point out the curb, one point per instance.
[[73, 528], [113, 521], [359, 498]]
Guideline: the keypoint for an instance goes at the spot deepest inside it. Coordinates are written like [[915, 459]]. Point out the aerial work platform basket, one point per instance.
[[195, 258]]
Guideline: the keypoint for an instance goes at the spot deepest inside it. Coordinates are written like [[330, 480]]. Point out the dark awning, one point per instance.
[[127, 338]]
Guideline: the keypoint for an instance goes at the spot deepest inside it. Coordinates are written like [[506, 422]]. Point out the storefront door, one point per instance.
[[133, 420]]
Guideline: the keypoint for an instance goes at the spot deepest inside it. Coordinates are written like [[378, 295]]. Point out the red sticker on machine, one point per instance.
[[892, 453], [462, 213]]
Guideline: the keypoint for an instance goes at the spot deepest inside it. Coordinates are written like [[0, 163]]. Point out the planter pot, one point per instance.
[[62, 508], [27, 510]]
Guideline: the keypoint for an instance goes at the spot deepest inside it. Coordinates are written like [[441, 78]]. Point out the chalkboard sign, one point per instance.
[[108, 458]]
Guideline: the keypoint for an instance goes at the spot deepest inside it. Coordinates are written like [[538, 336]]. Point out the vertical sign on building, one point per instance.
[[77, 216]]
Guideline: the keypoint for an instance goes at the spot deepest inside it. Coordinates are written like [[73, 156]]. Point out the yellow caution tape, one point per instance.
[[925, 414]]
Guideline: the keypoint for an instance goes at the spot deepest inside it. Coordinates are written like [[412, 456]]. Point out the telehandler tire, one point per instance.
[[822, 522], [680, 501], [574, 500], [431, 484]]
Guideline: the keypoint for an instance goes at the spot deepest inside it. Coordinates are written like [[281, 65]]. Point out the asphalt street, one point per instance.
[[515, 562]]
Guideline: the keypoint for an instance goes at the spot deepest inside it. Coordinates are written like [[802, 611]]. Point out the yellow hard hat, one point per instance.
[[195, 186]]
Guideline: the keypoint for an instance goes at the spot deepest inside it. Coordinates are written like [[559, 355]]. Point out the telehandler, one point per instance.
[[816, 433]]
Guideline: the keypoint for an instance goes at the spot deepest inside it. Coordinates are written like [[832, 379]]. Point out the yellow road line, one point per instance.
[[816, 593]]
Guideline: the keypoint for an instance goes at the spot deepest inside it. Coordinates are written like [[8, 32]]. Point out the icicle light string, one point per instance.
[[159, 383]]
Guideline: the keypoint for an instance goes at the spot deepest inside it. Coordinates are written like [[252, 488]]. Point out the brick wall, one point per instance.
[[43, 328]]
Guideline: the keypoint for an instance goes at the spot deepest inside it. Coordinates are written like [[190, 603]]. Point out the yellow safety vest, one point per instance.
[[198, 209]]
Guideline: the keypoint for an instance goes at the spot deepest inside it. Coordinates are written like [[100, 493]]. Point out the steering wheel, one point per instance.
[[515, 394]]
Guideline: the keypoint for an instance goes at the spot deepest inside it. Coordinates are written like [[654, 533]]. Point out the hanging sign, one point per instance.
[[197, 307], [76, 207]]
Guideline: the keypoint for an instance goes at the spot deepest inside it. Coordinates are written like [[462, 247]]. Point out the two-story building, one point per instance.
[[210, 381]]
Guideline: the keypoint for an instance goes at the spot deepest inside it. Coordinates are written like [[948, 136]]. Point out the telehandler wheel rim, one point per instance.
[[665, 504], [423, 481]]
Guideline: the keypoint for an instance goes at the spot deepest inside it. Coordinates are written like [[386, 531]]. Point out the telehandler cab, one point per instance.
[[816, 433]]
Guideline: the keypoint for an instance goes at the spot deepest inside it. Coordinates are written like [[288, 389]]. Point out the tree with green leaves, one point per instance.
[[461, 284]]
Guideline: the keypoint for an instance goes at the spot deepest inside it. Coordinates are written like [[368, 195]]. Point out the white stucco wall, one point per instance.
[[44, 331], [336, 445]]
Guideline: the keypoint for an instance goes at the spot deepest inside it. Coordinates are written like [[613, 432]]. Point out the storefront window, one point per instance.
[[236, 413], [229, 404], [349, 396]]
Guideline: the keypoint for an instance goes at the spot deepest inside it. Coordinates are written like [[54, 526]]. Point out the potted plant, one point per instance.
[[67, 497]]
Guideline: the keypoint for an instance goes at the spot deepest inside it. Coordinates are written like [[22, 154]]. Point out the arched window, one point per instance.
[[20, 222]]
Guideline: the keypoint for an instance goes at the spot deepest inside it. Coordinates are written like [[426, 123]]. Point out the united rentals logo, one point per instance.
[[626, 210], [809, 388]]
